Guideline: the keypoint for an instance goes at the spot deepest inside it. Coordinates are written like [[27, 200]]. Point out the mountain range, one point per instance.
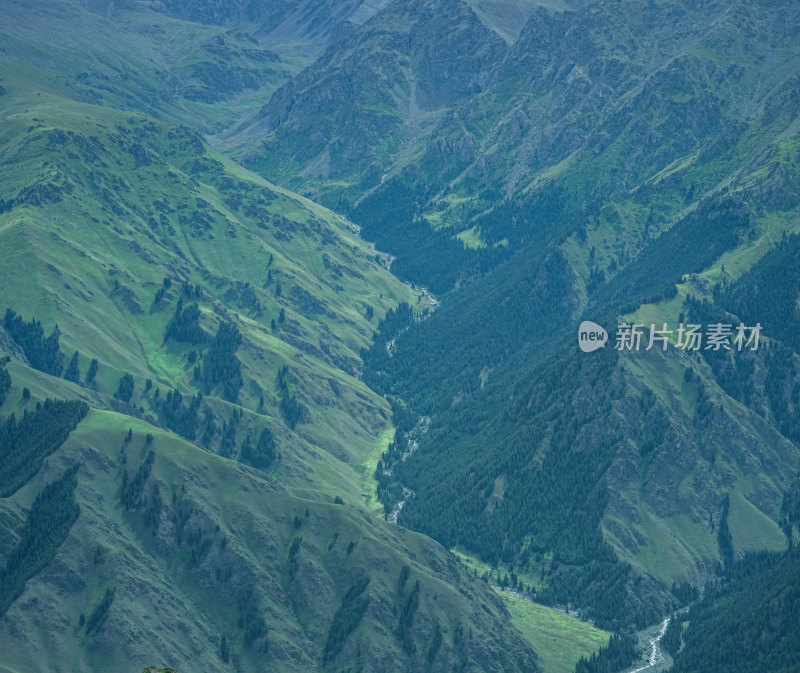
[[314, 273]]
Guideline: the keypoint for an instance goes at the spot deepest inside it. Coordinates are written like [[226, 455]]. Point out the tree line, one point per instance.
[[49, 520]]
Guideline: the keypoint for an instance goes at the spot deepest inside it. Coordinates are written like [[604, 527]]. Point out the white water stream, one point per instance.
[[656, 656]]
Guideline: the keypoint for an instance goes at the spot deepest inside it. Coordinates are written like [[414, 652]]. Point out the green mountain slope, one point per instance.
[[609, 163], [131, 57], [304, 27], [634, 111], [210, 548], [216, 321], [346, 116], [124, 205], [532, 164]]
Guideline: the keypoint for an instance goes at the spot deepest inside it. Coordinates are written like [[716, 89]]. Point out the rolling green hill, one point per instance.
[[116, 218], [130, 58]]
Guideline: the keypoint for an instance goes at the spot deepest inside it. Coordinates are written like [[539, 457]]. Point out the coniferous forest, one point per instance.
[[747, 622], [52, 514]]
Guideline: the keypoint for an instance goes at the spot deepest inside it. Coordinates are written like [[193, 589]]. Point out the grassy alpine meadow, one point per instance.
[[560, 639], [118, 220], [98, 238], [214, 548]]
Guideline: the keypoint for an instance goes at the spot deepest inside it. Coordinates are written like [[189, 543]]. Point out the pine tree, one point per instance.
[[224, 651], [125, 388], [220, 364], [92, 373], [73, 372]]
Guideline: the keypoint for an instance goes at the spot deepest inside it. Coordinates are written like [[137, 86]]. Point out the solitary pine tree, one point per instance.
[[92, 373], [224, 650], [73, 372], [125, 388]]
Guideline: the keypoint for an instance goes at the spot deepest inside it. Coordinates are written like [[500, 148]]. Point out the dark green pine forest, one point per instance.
[[289, 376]]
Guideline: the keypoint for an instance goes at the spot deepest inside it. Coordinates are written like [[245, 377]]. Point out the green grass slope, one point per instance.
[[559, 639], [103, 206], [111, 220], [213, 548]]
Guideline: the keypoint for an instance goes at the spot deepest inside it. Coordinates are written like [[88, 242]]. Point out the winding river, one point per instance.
[[656, 656]]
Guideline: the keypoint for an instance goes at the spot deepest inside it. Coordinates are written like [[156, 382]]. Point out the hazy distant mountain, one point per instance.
[[288, 25]]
